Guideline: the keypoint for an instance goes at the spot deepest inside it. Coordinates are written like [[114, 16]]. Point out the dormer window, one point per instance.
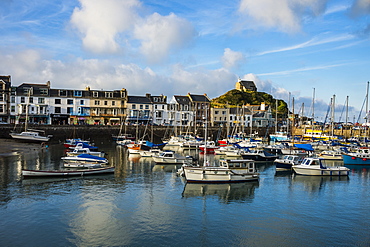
[[62, 93], [77, 93], [108, 95], [95, 94]]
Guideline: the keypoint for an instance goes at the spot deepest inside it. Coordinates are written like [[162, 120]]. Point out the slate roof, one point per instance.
[[199, 98], [184, 100], [138, 100]]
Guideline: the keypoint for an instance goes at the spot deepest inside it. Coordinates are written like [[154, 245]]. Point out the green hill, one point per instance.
[[234, 98]]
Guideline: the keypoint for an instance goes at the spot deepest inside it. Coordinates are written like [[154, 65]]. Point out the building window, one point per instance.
[[70, 110], [57, 110], [108, 95], [82, 102], [62, 93], [41, 100], [12, 99], [1, 108], [77, 93], [97, 102], [12, 108], [141, 107], [31, 99], [105, 102], [43, 91], [147, 107], [69, 101], [22, 100], [133, 106], [58, 101], [216, 112], [113, 102], [1, 97], [95, 94]]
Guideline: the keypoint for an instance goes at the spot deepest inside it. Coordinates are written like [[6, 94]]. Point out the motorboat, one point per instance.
[[360, 157], [150, 153], [228, 171], [30, 136], [85, 158], [331, 155], [82, 165], [80, 145], [72, 142], [287, 161], [65, 173], [315, 167], [258, 155], [170, 157], [81, 150], [209, 147]]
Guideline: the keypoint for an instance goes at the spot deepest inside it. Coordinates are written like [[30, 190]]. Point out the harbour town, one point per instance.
[[205, 156], [184, 123]]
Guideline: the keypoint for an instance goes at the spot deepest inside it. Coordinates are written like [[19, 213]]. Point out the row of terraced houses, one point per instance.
[[41, 104]]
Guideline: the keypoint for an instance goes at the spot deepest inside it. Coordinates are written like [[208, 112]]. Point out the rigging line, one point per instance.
[[362, 107], [344, 107]]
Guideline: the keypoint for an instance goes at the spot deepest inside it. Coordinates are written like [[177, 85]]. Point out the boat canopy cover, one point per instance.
[[90, 156], [307, 147], [151, 144], [85, 145]]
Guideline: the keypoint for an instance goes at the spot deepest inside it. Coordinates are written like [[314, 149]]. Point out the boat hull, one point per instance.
[[216, 175], [354, 160], [29, 138], [339, 171], [66, 173]]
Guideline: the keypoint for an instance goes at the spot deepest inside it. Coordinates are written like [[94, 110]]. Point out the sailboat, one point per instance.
[[30, 135], [228, 171]]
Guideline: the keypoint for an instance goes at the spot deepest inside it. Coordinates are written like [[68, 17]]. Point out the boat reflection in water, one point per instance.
[[229, 192], [166, 168], [317, 183]]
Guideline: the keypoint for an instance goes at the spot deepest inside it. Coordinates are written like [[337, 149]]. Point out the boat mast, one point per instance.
[[332, 116], [205, 137], [276, 107], [367, 110]]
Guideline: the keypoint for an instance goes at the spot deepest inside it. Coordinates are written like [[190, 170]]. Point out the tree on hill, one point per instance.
[[234, 98]]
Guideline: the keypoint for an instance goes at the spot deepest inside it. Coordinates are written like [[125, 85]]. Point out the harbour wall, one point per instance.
[[155, 133]]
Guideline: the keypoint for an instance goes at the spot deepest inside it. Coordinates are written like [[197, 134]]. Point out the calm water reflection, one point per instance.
[[144, 204]]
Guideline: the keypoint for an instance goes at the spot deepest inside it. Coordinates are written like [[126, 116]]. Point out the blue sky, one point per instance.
[[290, 48]]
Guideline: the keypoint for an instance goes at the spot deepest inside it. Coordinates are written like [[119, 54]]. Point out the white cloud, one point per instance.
[[161, 34], [232, 58], [285, 15], [100, 23]]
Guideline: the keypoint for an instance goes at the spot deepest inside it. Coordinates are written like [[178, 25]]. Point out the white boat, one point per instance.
[[64, 173], [78, 151], [85, 158], [170, 157], [286, 163], [331, 155], [82, 165], [30, 135], [315, 167], [229, 171], [150, 153]]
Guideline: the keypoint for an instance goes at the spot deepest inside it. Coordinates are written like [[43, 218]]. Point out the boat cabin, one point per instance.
[[238, 164]]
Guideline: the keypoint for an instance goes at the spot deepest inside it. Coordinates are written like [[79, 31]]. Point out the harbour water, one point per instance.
[[147, 205]]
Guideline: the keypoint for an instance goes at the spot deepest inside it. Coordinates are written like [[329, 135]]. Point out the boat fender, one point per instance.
[[353, 158], [364, 159]]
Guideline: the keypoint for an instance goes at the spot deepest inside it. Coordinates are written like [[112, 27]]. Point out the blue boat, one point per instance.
[[360, 157]]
